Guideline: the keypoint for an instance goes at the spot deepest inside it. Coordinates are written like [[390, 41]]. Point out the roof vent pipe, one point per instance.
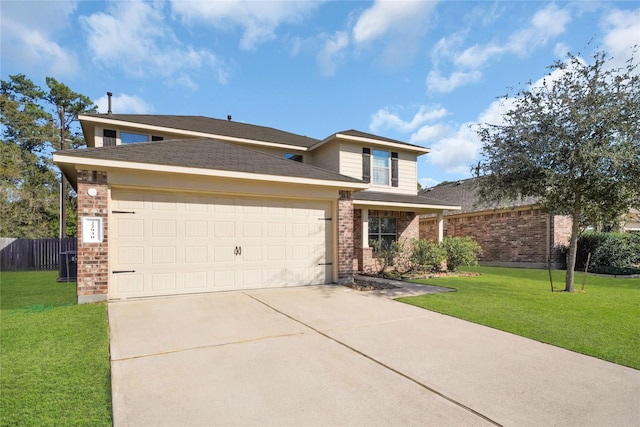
[[109, 95], [229, 117]]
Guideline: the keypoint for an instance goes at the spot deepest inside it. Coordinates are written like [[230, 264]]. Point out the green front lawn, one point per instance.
[[54, 363], [603, 321]]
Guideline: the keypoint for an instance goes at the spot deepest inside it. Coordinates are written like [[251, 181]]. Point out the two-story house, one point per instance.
[[187, 204]]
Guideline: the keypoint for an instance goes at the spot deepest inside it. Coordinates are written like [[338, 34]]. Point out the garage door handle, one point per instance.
[[325, 263], [122, 271], [238, 250]]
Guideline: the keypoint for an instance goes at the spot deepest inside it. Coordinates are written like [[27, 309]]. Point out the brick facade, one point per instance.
[[93, 258], [407, 227], [345, 237], [521, 237]]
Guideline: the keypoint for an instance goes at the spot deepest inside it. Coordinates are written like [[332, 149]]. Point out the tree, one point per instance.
[[572, 141], [31, 120]]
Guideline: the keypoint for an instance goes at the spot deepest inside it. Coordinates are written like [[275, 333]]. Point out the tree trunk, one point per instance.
[[573, 251]]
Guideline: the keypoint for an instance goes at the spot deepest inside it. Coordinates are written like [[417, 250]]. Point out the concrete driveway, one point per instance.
[[332, 356]]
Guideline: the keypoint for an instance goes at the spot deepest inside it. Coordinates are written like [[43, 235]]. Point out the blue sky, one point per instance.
[[418, 71]]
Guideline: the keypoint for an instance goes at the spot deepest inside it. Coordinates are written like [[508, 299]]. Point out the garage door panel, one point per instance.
[[164, 228], [196, 254], [163, 282], [163, 255], [224, 229], [179, 243], [133, 255], [128, 284], [196, 280], [224, 254], [252, 229]]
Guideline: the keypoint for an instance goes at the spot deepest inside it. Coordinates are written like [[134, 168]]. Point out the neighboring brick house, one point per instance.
[[519, 235]]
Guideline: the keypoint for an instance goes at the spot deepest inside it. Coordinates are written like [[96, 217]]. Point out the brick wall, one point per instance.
[[345, 237], [517, 237], [93, 258]]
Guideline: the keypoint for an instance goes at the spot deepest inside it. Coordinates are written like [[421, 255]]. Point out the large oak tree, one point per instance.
[[572, 141], [31, 120]]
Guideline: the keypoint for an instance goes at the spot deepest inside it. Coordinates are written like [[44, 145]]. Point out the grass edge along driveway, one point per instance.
[[54, 364], [603, 321]]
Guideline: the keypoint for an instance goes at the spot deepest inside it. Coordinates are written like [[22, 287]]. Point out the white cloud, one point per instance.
[[622, 33], [259, 20], [384, 119], [332, 52], [456, 153], [123, 104], [545, 25], [438, 83], [29, 32], [387, 16], [429, 133], [135, 37]]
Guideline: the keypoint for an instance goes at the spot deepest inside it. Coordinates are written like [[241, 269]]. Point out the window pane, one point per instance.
[[380, 167], [131, 138], [380, 176], [294, 157], [374, 226], [380, 158], [388, 225]]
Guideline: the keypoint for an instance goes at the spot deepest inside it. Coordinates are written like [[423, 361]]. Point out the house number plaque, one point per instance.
[[91, 229]]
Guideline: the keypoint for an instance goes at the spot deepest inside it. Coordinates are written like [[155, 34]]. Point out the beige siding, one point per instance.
[[351, 159], [326, 157]]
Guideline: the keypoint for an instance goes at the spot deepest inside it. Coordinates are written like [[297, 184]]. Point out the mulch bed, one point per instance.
[[363, 284]]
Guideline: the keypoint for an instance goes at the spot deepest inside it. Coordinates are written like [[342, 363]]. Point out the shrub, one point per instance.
[[427, 255], [461, 251], [385, 254], [609, 251]]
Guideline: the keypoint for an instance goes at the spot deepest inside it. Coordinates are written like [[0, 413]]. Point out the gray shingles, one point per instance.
[[215, 127], [206, 153], [465, 194]]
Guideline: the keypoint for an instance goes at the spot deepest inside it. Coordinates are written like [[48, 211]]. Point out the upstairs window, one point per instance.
[[381, 165], [132, 138], [108, 137], [294, 157]]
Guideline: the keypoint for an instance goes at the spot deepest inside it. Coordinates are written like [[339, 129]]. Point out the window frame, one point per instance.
[[380, 233], [376, 155]]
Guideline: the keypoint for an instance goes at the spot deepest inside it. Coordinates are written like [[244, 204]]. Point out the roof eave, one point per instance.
[[359, 139], [413, 207]]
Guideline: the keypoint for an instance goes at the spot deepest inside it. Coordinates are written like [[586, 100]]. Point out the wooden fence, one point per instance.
[[33, 254]]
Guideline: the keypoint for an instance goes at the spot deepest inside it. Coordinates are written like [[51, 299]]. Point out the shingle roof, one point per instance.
[[419, 199], [465, 194], [206, 153], [214, 127]]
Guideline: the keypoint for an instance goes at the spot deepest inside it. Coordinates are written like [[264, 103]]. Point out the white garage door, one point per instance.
[[170, 243]]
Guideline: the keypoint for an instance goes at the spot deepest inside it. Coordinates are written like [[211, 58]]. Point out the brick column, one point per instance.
[[93, 258], [345, 238]]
